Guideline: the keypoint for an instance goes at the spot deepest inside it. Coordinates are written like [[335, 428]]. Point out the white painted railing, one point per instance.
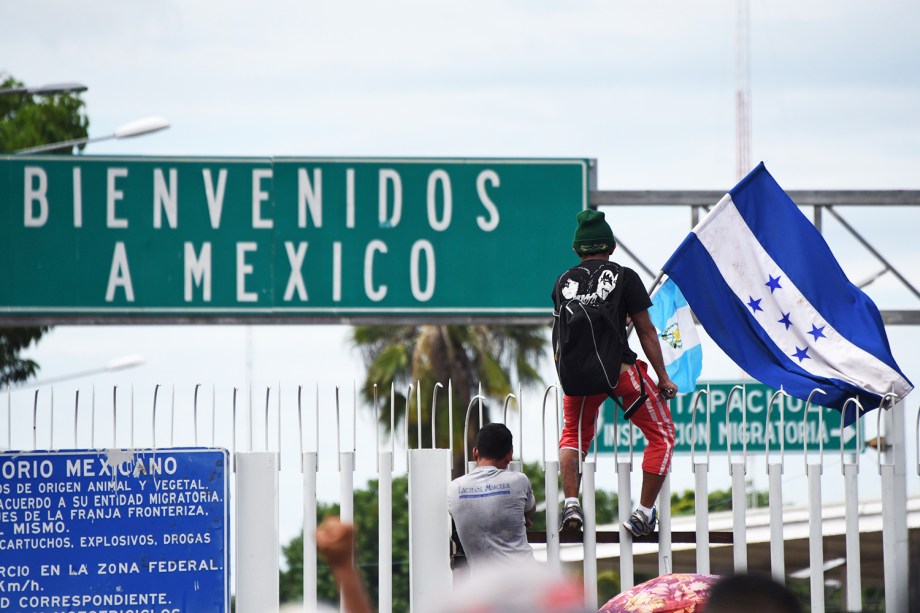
[[258, 496]]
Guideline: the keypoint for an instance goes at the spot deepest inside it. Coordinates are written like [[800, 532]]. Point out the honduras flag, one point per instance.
[[680, 344], [766, 287]]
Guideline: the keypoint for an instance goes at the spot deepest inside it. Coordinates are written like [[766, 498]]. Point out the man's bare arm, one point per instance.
[[648, 338], [336, 543], [528, 516]]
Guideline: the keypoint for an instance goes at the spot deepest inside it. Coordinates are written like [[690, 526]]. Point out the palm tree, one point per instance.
[[494, 357]]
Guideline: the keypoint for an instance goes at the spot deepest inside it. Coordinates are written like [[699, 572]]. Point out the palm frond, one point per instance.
[[498, 357]]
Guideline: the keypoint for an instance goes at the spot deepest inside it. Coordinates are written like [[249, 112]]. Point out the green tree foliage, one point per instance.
[[719, 500], [366, 511], [608, 584], [13, 368], [28, 121], [465, 356]]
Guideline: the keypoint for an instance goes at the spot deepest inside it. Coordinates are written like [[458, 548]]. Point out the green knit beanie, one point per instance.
[[592, 235]]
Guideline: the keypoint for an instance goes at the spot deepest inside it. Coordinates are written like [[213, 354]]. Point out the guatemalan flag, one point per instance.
[[680, 344], [765, 286]]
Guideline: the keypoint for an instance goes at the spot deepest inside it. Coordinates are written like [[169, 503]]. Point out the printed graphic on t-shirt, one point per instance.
[[570, 290], [605, 283], [489, 489], [603, 286]]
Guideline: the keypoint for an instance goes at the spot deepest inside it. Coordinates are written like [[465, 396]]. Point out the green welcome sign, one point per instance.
[[178, 239]]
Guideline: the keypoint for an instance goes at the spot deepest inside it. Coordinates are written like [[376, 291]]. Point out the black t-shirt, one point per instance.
[[592, 281]]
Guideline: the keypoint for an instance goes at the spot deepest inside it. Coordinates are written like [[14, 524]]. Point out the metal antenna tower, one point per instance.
[[743, 88]]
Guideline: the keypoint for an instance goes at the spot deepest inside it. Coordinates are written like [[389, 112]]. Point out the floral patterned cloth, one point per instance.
[[674, 593]]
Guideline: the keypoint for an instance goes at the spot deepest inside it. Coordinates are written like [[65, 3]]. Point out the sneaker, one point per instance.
[[639, 525], [572, 519]]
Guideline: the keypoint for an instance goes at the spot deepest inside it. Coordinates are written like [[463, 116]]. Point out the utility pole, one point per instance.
[[743, 89]]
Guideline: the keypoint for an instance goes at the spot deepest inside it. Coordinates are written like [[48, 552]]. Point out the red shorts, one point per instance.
[[653, 418]]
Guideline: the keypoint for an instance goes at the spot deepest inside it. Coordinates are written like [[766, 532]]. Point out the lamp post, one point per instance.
[[45, 90], [131, 129], [121, 363]]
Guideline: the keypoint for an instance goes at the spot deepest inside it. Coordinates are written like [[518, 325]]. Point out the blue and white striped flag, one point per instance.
[[765, 286], [680, 344]]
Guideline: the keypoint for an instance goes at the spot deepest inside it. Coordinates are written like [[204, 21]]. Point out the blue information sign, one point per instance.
[[114, 530]]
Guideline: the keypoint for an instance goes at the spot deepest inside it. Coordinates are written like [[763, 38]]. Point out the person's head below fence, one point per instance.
[[494, 445], [751, 593], [524, 587]]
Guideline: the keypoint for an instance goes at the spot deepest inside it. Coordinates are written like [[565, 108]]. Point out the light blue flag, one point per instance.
[[680, 343], [766, 287]]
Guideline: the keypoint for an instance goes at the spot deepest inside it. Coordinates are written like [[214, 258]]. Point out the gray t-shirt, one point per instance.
[[488, 507]]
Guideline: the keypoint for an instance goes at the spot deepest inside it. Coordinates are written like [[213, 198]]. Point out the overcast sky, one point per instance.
[[646, 88]]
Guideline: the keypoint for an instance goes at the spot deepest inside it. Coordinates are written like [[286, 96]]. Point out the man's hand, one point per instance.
[[335, 541], [648, 337], [667, 388]]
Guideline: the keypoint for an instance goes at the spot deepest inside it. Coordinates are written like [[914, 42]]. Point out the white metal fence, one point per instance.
[[36, 420]]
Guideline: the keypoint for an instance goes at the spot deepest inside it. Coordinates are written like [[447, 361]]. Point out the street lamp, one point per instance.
[[46, 90], [121, 363], [131, 129]]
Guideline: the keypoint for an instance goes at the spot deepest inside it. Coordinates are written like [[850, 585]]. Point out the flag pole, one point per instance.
[[656, 284], [653, 289]]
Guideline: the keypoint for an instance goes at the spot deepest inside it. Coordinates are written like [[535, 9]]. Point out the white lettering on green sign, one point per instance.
[[160, 235]]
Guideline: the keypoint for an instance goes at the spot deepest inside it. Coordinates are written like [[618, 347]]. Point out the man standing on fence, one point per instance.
[[591, 304], [491, 505]]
